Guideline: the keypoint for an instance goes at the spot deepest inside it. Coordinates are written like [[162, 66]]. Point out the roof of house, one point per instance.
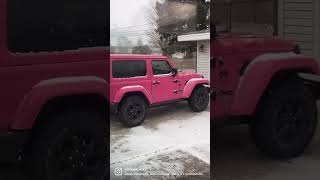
[[195, 36]]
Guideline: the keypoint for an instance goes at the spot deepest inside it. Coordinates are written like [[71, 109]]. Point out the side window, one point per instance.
[[56, 25], [127, 69], [161, 67]]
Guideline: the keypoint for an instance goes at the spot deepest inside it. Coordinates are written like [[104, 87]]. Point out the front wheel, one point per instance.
[[132, 111], [199, 99], [286, 120]]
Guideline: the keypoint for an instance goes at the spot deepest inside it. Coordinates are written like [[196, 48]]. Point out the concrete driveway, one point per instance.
[[236, 158], [173, 140]]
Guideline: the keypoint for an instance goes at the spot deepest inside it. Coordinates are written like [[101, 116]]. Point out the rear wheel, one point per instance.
[[199, 99], [132, 111], [71, 146], [286, 121]]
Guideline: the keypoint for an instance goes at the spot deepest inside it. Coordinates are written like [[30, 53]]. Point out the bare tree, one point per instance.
[[152, 18], [168, 19]]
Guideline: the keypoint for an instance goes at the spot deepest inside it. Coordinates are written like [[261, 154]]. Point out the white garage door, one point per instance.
[[297, 21]]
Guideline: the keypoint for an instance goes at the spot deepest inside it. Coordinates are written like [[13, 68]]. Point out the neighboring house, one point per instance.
[[129, 49], [203, 50], [121, 49], [297, 20], [179, 55]]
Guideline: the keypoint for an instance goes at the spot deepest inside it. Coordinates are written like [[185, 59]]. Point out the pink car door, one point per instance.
[[163, 86], [218, 76]]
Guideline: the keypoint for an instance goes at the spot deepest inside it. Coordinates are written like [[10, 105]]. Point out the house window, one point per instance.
[[201, 48]]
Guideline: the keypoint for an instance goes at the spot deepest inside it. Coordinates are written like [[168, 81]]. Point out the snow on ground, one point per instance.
[[172, 140]]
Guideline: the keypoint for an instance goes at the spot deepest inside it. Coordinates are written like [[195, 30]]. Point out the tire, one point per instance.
[[70, 146], [132, 111], [199, 99], [286, 120]]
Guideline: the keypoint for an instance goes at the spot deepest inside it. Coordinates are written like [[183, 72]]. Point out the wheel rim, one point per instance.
[[74, 158], [289, 125], [202, 99], [134, 112]]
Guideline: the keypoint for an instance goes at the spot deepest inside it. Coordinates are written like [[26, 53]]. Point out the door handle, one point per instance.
[[156, 82], [220, 61], [223, 74], [176, 81]]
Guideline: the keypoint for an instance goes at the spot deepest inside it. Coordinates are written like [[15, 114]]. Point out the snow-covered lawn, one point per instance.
[[172, 140]]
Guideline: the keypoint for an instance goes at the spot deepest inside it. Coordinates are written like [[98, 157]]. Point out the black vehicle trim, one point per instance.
[[12, 144]]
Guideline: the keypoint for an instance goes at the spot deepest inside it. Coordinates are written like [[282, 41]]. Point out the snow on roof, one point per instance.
[[195, 36]]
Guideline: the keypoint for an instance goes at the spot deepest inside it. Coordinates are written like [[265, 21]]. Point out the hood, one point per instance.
[[248, 43], [189, 75]]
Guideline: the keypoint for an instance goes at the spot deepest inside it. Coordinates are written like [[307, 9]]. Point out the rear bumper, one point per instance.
[[211, 91], [310, 78], [12, 144]]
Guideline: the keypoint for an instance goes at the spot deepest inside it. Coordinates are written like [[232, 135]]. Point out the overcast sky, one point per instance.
[[128, 17], [128, 13]]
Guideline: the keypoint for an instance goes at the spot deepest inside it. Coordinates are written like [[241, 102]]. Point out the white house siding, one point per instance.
[[299, 21], [203, 59], [249, 16]]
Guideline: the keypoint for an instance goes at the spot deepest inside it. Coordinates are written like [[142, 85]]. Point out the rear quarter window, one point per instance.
[[56, 25], [128, 68]]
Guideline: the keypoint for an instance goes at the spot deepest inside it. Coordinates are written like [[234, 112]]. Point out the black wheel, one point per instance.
[[132, 111], [199, 99], [286, 120], [70, 146]]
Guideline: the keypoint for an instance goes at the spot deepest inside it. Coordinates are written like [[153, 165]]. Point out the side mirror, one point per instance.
[[174, 71]]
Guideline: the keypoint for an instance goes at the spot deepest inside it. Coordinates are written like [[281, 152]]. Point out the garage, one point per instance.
[[298, 20], [203, 54]]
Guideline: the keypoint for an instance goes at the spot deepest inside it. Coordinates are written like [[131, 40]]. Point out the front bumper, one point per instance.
[[312, 81], [208, 88], [114, 108], [12, 144]]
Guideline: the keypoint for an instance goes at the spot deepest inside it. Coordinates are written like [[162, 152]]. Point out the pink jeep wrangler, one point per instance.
[[54, 88], [264, 81], [141, 81]]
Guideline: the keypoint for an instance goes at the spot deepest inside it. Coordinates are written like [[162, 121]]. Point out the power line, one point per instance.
[[131, 30], [131, 26], [145, 31], [130, 35], [128, 32]]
